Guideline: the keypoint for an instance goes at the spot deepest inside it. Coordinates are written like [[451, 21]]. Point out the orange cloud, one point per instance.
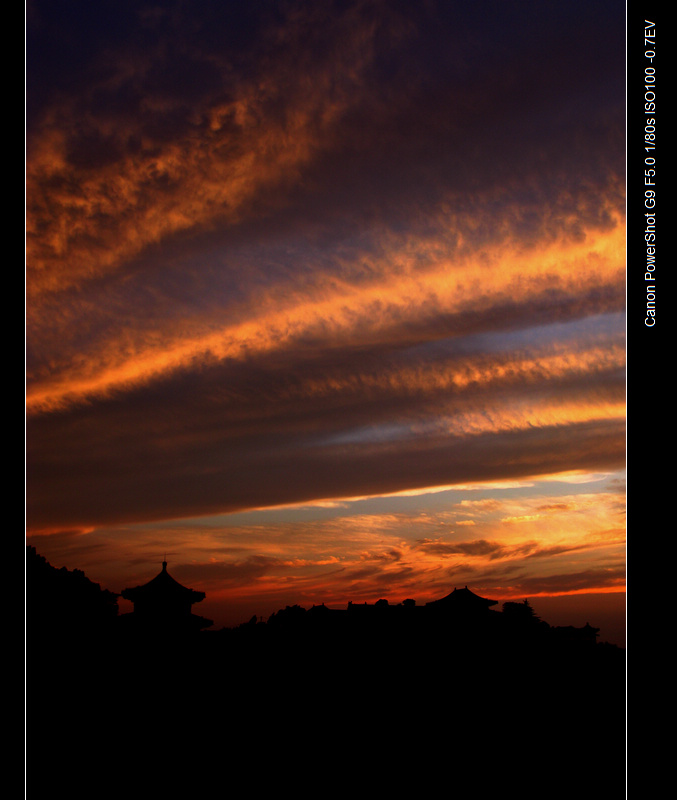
[[240, 143], [346, 314]]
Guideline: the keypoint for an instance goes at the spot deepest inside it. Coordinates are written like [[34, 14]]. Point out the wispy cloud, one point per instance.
[[294, 255]]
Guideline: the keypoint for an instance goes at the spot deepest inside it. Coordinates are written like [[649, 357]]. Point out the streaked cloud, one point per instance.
[[312, 258]]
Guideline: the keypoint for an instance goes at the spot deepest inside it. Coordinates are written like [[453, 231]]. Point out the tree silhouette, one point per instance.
[[520, 612], [59, 600]]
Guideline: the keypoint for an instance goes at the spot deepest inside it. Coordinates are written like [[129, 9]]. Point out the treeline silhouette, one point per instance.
[[61, 602], [405, 679]]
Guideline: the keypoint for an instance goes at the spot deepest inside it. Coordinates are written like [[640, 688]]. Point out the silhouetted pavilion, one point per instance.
[[462, 601], [164, 603]]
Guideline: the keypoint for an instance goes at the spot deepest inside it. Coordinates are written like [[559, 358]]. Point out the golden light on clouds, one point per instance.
[[338, 312], [331, 282]]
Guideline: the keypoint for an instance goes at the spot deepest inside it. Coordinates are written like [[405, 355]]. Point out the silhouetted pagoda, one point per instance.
[[164, 604], [462, 601]]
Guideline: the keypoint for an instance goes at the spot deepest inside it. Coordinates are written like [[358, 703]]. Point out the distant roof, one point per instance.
[[463, 598], [162, 586]]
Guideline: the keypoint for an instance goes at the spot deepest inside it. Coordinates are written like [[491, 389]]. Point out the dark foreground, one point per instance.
[[248, 712]]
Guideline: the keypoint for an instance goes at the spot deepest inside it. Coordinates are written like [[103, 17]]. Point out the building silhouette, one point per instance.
[[462, 601], [164, 605]]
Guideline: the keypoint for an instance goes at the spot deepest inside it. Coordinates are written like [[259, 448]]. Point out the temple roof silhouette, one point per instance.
[[163, 588], [165, 603], [463, 600]]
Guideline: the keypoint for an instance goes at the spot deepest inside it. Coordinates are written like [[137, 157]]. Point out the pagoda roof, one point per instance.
[[162, 586], [463, 598]]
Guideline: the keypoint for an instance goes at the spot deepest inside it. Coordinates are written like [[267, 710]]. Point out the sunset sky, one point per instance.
[[325, 301]]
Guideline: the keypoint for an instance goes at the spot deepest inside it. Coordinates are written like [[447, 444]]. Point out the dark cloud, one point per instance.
[[556, 507], [556, 550], [479, 547], [608, 577], [227, 574], [146, 479], [497, 550]]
